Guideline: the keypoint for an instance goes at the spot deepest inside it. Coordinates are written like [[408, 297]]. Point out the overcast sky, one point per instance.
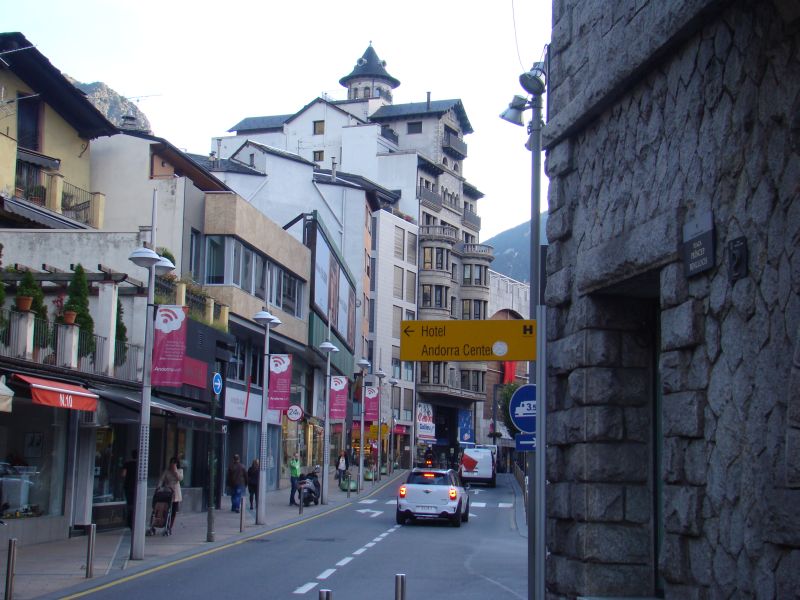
[[199, 67]]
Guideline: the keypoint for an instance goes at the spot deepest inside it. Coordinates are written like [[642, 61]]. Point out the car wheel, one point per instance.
[[493, 482], [456, 520], [400, 518], [465, 515]]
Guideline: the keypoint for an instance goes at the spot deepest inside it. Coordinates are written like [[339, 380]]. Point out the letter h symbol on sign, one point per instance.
[[527, 330]]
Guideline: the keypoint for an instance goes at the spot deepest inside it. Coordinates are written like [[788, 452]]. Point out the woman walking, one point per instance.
[[252, 481], [171, 478]]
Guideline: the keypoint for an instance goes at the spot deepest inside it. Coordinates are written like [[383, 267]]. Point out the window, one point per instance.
[[453, 305], [215, 259], [237, 262], [195, 254], [247, 270], [367, 92], [414, 127], [408, 370], [427, 258], [408, 402], [319, 127], [399, 242], [466, 309], [441, 259], [477, 310], [411, 286], [29, 110], [396, 362], [426, 294], [438, 297], [252, 160], [397, 317], [319, 155], [397, 291], [260, 288], [411, 248], [467, 274], [424, 372], [371, 315], [237, 362]]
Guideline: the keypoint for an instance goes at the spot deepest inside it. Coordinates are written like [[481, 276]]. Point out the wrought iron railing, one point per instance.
[[90, 348], [76, 203], [31, 182], [128, 361], [389, 134]]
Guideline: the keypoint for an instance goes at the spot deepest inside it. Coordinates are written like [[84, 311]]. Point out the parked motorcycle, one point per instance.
[[309, 487]]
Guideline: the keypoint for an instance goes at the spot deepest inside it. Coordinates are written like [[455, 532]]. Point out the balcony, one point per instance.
[[389, 134], [438, 232], [430, 198], [448, 393], [476, 251], [454, 146], [471, 220]]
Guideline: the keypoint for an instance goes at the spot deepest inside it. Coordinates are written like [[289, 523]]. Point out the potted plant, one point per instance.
[[37, 194], [27, 292], [78, 302]]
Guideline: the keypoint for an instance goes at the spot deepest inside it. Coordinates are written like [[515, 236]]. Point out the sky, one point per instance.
[[196, 68]]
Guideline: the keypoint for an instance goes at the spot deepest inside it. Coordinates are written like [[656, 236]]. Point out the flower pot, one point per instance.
[[69, 317], [24, 303]]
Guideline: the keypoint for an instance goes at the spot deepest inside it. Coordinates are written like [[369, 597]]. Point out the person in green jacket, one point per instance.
[[294, 474]]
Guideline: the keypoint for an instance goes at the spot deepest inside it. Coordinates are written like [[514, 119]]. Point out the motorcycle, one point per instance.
[[309, 488]]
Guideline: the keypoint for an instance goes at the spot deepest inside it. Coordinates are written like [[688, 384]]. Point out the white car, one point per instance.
[[433, 494]]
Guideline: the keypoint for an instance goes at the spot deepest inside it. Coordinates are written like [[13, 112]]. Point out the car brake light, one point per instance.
[[429, 475], [402, 491], [453, 493]]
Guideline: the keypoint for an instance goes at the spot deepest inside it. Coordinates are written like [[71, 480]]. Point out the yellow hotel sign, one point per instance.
[[468, 340]]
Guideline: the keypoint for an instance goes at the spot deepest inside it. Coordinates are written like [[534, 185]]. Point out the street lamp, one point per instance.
[[156, 265], [535, 83], [380, 375], [363, 364], [264, 318], [392, 382], [327, 348]]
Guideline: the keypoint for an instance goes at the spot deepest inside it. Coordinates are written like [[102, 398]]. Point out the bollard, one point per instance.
[[325, 595], [91, 534], [10, 566], [241, 517], [301, 495], [348, 484], [400, 586]]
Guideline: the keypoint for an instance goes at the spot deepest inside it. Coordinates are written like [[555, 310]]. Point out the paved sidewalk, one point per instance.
[[58, 569]]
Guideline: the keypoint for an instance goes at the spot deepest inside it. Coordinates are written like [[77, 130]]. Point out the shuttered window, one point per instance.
[[399, 242]]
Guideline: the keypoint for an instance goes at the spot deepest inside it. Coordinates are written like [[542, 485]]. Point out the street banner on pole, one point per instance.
[[280, 381], [169, 346], [370, 403], [338, 410]]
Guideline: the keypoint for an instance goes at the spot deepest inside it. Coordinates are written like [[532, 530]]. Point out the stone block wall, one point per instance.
[[674, 423]]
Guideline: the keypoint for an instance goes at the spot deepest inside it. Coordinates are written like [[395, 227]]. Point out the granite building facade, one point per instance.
[[673, 287]]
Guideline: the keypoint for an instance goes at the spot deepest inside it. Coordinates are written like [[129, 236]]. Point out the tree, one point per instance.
[[78, 302], [121, 353], [502, 405]]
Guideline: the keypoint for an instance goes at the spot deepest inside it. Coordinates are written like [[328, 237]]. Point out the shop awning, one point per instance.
[[59, 394], [133, 400]]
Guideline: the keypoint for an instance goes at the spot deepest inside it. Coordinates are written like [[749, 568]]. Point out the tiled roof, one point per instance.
[[260, 123], [421, 109], [224, 165]]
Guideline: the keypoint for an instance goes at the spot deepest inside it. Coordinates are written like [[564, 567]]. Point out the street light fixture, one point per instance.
[[535, 83], [156, 265], [392, 382], [327, 348], [363, 364], [380, 375], [268, 320]]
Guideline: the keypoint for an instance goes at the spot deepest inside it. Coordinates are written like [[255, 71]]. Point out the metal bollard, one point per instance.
[[325, 595], [241, 517], [348, 484], [400, 586], [10, 566], [92, 532], [300, 495]]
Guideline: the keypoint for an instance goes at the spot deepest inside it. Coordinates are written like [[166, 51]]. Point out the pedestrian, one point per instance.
[[237, 478], [294, 474], [129, 472], [171, 478], [252, 481], [342, 465]]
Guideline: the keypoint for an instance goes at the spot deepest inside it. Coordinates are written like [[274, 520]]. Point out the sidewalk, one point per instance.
[[54, 569]]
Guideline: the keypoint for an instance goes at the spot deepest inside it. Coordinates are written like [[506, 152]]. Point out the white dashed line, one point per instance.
[[305, 588], [369, 545], [391, 502], [377, 539], [360, 551], [344, 561], [478, 504], [506, 505], [383, 535], [371, 501], [326, 573]]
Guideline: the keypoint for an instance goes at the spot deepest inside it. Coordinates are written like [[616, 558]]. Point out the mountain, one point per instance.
[[113, 105], [512, 250]]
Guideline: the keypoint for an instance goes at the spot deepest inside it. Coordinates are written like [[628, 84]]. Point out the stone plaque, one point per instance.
[[697, 249]]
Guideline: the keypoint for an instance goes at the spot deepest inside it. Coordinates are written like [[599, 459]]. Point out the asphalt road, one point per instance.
[[356, 552]]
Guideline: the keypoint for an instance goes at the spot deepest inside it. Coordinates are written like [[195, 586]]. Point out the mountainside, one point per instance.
[[512, 250], [112, 105]]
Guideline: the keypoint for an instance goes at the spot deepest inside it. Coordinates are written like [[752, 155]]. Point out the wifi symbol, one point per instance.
[[169, 319]]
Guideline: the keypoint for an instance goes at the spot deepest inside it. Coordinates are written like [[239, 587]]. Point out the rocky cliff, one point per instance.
[[113, 105]]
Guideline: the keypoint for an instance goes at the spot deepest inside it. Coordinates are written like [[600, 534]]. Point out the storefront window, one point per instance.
[[33, 447]]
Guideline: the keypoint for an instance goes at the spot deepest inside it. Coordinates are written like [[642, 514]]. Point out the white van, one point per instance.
[[477, 465]]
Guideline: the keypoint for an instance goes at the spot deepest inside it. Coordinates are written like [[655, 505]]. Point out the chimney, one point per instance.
[[429, 101], [128, 122], [333, 168]]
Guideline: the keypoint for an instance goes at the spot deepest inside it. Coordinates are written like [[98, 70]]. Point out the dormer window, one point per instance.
[[366, 92]]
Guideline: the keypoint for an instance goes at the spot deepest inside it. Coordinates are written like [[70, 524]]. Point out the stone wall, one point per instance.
[[674, 424]]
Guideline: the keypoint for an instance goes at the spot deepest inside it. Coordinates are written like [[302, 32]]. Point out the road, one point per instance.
[[356, 551]]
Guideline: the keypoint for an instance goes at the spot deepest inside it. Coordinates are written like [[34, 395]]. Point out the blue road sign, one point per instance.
[[216, 383], [522, 407], [526, 442]]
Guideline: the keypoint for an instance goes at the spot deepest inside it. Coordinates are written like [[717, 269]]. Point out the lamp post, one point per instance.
[[264, 318], [535, 83], [380, 375], [363, 364], [156, 265], [327, 348], [392, 382]]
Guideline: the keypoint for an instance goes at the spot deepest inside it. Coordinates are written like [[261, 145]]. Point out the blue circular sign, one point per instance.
[[522, 407], [216, 383]]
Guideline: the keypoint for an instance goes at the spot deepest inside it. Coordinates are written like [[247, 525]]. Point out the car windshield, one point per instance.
[[428, 478]]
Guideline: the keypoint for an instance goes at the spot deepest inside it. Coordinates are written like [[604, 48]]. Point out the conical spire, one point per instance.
[[369, 66]]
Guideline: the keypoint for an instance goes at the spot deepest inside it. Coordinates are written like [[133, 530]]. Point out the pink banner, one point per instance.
[[370, 404], [280, 381], [338, 398], [169, 346]]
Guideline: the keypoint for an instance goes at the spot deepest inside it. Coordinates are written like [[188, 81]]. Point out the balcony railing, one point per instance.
[[90, 348], [76, 203], [389, 134], [454, 146], [128, 361], [31, 183], [438, 231], [430, 198], [471, 219]]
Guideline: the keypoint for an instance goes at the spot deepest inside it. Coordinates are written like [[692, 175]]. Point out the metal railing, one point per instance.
[[165, 289], [389, 134], [455, 145], [429, 197], [128, 361], [32, 182], [90, 348], [472, 219], [196, 303], [76, 203]]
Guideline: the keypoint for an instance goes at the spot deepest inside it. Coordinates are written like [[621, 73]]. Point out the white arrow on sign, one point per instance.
[[372, 513]]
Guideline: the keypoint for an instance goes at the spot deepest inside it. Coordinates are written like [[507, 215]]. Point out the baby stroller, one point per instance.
[[162, 511]]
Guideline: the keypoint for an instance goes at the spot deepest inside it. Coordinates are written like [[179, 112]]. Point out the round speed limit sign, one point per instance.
[[294, 412]]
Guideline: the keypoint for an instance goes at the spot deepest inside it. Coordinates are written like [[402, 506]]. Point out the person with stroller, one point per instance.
[[252, 481], [171, 478]]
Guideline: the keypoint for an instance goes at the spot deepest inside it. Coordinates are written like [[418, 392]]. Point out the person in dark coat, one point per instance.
[[129, 476], [236, 479], [252, 481]]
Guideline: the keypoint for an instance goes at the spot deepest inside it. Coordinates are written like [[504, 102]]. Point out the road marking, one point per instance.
[[395, 528], [370, 501], [326, 573], [360, 551], [344, 561], [369, 544], [305, 588], [477, 504], [383, 535], [391, 502], [472, 515], [378, 539], [371, 513], [506, 505]]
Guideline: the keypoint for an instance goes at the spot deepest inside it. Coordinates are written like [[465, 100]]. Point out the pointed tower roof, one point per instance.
[[369, 66]]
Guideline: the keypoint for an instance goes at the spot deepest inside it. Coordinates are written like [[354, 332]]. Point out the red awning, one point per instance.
[[59, 394]]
